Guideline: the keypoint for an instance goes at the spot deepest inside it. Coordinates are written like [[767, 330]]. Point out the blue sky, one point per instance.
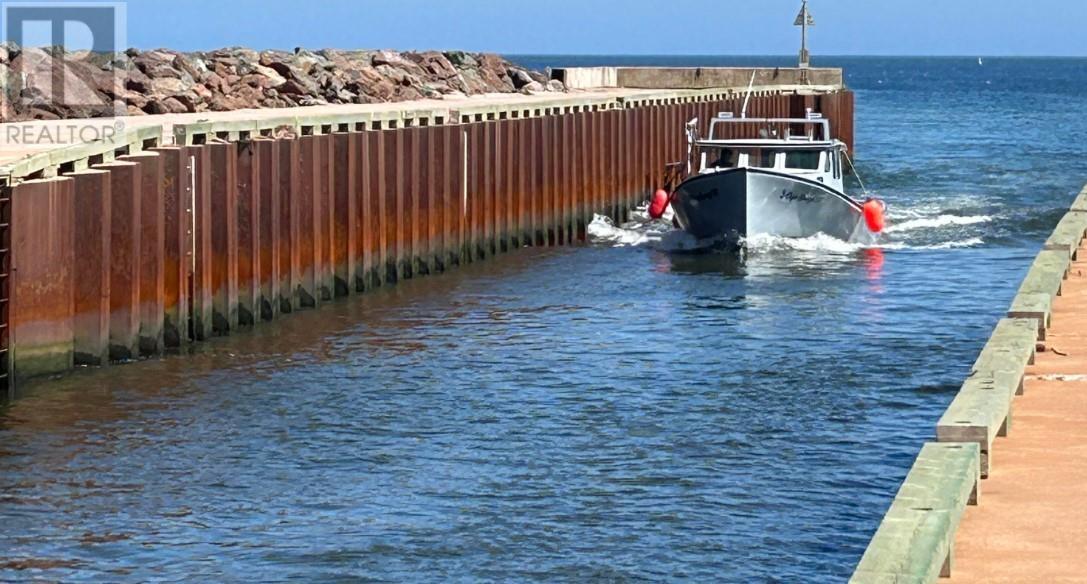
[[844, 27]]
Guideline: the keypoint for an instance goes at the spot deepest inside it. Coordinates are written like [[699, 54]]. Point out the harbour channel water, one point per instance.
[[612, 411]]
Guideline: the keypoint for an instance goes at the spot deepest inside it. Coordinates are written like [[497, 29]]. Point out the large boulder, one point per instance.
[[305, 60], [532, 87], [167, 86], [158, 63], [137, 81], [223, 103], [493, 70], [408, 93], [40, 74], [367, 81], [472, 82], [295, 80], [249, 97], [461, 60], [216, 84], [390, 58], [519, 77], [434, 64], [135, 99], [273, 78], [168, 105], [293, 87], [10, 93]]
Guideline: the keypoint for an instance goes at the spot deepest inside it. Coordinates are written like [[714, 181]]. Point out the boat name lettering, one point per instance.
[[804, 197]]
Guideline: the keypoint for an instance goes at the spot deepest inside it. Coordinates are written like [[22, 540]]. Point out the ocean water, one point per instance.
[[611, 412]]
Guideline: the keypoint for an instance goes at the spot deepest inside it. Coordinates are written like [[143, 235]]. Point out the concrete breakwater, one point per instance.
[[916, 540], [183, 229]]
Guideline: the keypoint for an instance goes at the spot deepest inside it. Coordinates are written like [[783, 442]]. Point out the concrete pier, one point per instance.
[[183, 227]]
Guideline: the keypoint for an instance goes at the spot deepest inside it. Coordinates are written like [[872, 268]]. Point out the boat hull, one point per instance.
[[742, 202]]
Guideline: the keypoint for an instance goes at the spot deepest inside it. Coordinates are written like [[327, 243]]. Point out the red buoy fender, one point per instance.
[[873, 215], [659, 203]]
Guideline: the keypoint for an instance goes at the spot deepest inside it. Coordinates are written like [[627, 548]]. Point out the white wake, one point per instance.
[[936, 222], [911, 233]]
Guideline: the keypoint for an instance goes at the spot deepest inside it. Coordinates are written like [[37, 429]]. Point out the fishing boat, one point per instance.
[[773, 176]]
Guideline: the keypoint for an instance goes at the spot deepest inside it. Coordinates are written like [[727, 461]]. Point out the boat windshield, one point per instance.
[[786, 159], [723, 158], [802, 159], [764, 158]]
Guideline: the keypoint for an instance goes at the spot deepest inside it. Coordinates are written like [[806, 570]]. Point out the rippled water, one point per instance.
[[611, 412]]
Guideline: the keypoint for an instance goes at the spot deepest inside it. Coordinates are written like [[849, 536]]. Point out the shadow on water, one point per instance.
[[730, 264], [791, 263], [310, 336]]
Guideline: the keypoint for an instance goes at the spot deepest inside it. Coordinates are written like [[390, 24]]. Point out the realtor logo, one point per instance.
[[57, 60]]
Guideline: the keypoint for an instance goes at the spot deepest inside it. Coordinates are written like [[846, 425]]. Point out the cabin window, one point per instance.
[[723, 158], [766, 158], [837, 165], [802, 160]]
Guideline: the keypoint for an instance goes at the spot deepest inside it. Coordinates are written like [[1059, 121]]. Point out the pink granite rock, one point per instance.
[[167, 81]]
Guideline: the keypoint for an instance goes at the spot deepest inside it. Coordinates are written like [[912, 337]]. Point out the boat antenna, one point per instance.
[[747, 98], [855, 173]]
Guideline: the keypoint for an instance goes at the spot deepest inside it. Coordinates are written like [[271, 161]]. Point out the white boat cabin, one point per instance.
[[793, 146]]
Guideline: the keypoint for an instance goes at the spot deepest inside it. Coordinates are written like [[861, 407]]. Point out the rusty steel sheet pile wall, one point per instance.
[[154, 251], [40, 287], [6, 387]]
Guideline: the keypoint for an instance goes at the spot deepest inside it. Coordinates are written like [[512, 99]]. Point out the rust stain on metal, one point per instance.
[[501, 189], [486, 163], [566, 181], [90, 274], [200, 286], [152, 244], [124, 260], [268, 229], [344, 213], [401, 227], [306, 225], [547, 192], [177, 243], [290, 187], [324, 209], [475, 192], [248, 217], [367, 225], [418, 181], [433, 200], [382, 151], [224, 237], [41, 278], [537, 201]]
